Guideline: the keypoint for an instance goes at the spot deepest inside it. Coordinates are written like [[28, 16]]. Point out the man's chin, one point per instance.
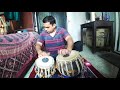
[[49, 32]]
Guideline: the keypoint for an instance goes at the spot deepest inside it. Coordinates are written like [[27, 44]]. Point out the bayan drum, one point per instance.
[[70, 65], [44, 67]]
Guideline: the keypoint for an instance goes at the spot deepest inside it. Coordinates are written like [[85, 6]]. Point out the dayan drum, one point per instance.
[[45, 67], [70, 65]]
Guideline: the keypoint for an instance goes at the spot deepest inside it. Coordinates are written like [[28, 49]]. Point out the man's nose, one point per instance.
[[46, 29]]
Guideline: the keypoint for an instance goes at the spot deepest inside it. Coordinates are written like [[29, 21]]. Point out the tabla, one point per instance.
[[45, 66], [70, 65]]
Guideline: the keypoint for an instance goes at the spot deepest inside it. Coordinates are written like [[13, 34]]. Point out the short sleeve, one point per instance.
[[41, 38], [65, 33]]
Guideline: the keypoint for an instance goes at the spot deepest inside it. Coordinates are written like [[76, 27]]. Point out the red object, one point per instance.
[[27, 20]]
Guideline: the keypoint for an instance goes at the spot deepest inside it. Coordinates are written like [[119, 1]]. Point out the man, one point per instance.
[[52, 39]]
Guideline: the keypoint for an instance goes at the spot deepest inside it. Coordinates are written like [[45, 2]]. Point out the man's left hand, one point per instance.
[[64, 52]]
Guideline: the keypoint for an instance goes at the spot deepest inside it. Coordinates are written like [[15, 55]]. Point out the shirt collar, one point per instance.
[[57, 30]]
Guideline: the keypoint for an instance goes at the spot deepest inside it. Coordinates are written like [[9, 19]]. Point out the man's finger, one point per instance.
[[48, 53], [60, 51]]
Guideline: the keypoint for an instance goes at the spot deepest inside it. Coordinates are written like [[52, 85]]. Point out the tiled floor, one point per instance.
[[107, 69]]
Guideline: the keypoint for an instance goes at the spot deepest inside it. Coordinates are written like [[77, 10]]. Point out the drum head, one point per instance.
[[44, 62], [73, 55]]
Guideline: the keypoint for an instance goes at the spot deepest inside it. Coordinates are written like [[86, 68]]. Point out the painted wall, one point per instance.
[[74, 20], [111, 14], [1, 13], [113, 18]]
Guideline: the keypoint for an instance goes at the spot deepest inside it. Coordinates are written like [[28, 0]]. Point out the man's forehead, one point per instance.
[[47, 23]]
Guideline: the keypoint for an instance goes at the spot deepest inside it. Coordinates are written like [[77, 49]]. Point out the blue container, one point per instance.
[[24, 30]]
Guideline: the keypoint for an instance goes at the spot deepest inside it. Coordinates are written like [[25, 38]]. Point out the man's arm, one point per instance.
[[70, 42], [40, 51], [38, 47], [69, 48]]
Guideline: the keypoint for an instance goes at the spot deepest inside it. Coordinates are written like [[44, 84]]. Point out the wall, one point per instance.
[[1, 13], [99, 14], [60, 18], [74, 20], [117, 29], [27, 20], [113, 18]]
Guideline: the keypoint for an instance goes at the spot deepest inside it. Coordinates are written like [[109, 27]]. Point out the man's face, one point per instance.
[[49, 27]]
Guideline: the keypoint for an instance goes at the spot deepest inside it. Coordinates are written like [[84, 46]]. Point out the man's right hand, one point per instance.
[[43, 53]]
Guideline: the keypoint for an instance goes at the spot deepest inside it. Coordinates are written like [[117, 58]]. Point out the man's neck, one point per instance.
[[53, 33]]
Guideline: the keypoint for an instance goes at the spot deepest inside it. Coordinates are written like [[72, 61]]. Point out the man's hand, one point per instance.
[[43, 53], [64, 51]]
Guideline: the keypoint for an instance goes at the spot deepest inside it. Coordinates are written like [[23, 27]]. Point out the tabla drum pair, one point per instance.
[[70, 65], [45, 67]]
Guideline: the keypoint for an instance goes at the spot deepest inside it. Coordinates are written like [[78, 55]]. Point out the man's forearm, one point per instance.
[[38, 48], [70, 44]]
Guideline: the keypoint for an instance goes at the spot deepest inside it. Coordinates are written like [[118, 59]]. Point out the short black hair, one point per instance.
[[50, 19]]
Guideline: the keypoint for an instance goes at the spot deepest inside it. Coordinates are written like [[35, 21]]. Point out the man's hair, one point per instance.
[[50, 19]]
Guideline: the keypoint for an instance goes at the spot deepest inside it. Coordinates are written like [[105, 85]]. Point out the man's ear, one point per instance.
[[54, 25]]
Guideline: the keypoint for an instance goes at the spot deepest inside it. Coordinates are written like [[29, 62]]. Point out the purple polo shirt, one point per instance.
[[53, 44]]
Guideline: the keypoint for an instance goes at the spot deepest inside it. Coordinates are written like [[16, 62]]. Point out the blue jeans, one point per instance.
[[54, 56]]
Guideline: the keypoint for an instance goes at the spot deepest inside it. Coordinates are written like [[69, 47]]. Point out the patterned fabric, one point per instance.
[[53, 44], [16, 51]]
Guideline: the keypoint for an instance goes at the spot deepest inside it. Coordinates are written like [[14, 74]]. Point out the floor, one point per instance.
[[107, 69], [111, 57]]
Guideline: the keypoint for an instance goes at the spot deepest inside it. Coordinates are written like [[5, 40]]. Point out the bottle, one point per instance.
[[108, 17], [105, 18]]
